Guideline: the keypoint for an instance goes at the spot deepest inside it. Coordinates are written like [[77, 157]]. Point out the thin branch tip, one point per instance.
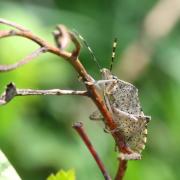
[[12, 24], [27, 59], [78, 126], [9, 93]]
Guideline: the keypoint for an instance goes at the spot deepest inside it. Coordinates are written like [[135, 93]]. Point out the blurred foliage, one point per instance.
[[36, 133], [63, 175]]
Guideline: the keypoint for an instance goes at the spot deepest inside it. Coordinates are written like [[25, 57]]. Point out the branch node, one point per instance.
[[12, 32], [9, 93], [61, 37], [77, 125]]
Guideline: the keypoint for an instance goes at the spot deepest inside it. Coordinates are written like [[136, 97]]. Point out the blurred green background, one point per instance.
[[36, 133]]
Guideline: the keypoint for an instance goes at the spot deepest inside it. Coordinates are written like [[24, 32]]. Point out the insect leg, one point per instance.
[[96, 115], [122, 114]]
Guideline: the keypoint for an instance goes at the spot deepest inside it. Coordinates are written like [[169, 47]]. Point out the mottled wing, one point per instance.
[[133, 128], [138, 139], [125, 97]]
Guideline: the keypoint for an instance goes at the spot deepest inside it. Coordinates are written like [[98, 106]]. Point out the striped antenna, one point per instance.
[[89, 49], [113, 53]]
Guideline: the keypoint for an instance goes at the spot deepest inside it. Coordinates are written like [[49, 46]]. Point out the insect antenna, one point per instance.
[[89, 49], [113, 53]]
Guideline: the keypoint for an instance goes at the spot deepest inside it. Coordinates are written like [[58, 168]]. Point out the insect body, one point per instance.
[[122, 101]]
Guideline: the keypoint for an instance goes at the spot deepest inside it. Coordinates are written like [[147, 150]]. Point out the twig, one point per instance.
[[62, 37], [36, 53], [121, 169], [29, 35], [12, 24], [11, 91], [79, 128]]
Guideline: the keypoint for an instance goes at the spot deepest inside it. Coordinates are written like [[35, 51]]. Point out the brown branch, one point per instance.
[[80, 130], [121, 169], [11, 91], [12, 24], [29, 35], [62, 37]]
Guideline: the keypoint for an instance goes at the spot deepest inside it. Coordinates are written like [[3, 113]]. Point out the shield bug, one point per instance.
[[122, 101]]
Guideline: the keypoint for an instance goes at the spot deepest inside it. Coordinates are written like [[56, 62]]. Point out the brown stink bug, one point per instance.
[[122, 101]]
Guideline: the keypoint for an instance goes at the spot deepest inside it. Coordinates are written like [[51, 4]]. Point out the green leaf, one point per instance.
[[63, 175], [7, 171]]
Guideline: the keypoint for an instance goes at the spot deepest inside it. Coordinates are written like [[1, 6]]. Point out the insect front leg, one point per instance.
[[124, 115], [104, 84]]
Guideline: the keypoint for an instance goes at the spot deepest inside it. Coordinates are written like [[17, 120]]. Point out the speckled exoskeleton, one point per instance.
[[122, 101]]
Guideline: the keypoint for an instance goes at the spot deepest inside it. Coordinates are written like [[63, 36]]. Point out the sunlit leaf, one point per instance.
[[63, 175], [7, 171]]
